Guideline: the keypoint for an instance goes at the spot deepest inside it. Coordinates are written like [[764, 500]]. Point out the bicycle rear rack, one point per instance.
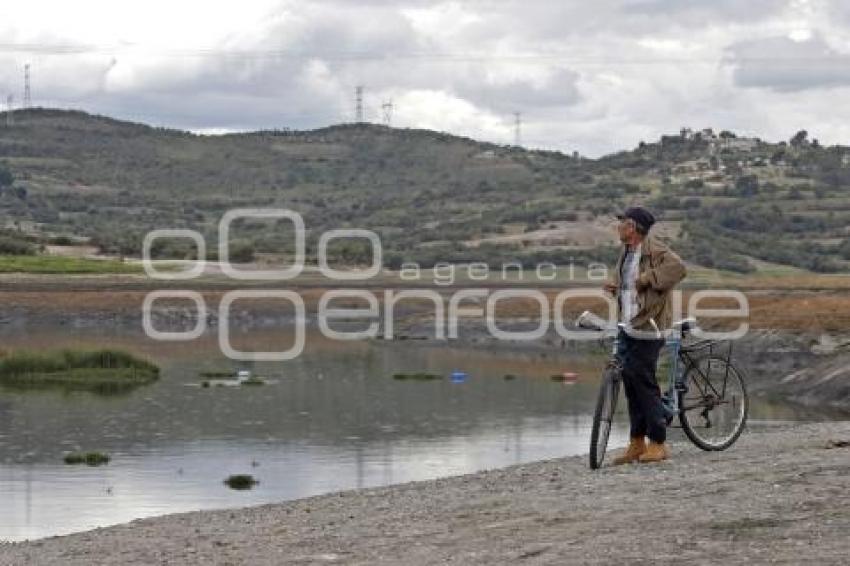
[[710, 348]]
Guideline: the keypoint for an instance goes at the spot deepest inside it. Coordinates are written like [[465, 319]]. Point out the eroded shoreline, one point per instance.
[[778, 496], [797, 350]]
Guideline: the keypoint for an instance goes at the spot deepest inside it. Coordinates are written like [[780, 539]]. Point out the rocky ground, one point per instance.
[[779, 496]]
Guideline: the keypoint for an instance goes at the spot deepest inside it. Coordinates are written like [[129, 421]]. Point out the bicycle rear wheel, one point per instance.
[[713, 409], [603, 416]]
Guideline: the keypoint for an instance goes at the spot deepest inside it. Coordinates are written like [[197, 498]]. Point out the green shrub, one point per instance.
[[6, 177], [240, 481], [88, 458], [102, 371], [15, 243], [241, 251]]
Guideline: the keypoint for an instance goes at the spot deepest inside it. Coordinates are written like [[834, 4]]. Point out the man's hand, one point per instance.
[[610, 287]]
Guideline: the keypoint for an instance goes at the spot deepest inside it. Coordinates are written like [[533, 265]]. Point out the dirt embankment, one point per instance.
[[120, 298], [779, 496]]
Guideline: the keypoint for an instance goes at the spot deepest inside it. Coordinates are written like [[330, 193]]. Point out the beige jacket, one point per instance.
[[660, 270]]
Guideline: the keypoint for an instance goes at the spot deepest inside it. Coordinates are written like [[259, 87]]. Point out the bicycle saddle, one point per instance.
[[685, 325]]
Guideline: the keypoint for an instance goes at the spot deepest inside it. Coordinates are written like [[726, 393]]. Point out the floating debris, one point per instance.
[[232, 379], [567, 378], [459, 376]]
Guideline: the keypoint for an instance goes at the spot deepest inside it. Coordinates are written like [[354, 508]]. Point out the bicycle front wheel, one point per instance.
[[606, 404], [713, 408]]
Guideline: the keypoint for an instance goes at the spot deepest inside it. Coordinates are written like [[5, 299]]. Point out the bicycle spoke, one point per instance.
[[603, 417], [711, 419]]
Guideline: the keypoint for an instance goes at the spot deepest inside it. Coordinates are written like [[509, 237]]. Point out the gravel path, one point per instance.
[[780, 496]]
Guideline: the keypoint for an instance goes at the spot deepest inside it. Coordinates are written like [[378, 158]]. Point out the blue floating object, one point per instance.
[[459, 376]]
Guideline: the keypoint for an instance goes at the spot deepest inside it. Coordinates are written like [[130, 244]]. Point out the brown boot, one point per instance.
[[637, 446], [655, 452]]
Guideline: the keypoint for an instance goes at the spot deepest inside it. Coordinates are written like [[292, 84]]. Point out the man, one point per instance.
[[646, 272]]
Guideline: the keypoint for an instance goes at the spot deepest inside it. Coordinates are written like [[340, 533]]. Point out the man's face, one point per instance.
[[626, 229]]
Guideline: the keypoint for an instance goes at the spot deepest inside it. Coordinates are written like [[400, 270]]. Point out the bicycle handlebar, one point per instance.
[[589, 321]]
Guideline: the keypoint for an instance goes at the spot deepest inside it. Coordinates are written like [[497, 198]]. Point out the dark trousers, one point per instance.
[[639, 359]]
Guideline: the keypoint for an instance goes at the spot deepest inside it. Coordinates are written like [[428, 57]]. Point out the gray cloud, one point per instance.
[[557, 90], [596, 77], [701, 12], [782, 64], [541, 20]]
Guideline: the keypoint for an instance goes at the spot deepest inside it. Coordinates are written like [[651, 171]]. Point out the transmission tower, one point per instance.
[[358, 103], [9, 104], [517, 128], [27, 91], [387, 107]]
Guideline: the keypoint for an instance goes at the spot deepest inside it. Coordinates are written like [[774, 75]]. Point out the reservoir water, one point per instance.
[[335, 418]]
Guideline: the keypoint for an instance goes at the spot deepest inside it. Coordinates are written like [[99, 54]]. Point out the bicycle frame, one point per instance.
[[690, 367], [679, 356], [685, 355]]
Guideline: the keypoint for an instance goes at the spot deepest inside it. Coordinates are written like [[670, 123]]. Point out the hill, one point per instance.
[[729, 202]]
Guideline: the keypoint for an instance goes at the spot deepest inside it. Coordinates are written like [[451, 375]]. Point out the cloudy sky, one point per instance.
[[594, 77]]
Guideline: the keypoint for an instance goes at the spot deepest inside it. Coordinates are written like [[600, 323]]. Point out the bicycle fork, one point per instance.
[[675, 382]]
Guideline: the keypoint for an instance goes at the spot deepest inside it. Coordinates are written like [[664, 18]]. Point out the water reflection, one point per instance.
[[334, 419]]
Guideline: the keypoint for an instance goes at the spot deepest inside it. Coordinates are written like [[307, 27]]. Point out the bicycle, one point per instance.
[[708, 394]]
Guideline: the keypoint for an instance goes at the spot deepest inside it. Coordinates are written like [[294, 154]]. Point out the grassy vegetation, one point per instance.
[[419, 376], [224, 374], [241, 481], [88, 458], [102, 371], [63, 265]]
